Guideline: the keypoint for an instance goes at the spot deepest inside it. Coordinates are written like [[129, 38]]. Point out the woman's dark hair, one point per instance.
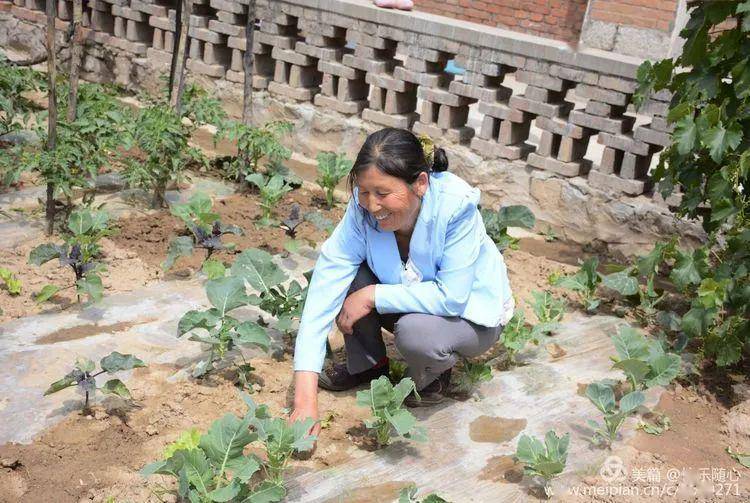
[[396, 152]]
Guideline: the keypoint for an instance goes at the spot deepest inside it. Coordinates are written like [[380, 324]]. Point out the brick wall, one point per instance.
[[652, 14], [557, 19]]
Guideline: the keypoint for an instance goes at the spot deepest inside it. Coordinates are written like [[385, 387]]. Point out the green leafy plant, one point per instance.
[[289, 225], [204, 226], [659, 426], [516, 335], [584, 282], [161, 137], [15, 82], [319, 221], [81, 249], [332, 167], [285, 303], [214, 468], [603, 397], [12, 284], [550, 235], [254, 144], [396, 370], [546, 307], [271, 191], [84, 377], [474, 373], [409, 495], [742, 458], [709, 161], [545, 460], [644, 362], [497, 222], [216, 328], [386, 405]]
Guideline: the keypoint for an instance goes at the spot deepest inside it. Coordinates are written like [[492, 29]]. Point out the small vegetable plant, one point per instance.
[[84, 377], [81, 248], [216, 328], [603, 397], [497, 222], [259, 270], [214, 468], [546, 307], [474, 373], [584, 282], [271, 191], [12, 284], [15, 81], [517, 333], [386, 405], [205, 227], [644, 362], [289, 225], [409, 495], [544, 461], [253, 144], [332, 167]]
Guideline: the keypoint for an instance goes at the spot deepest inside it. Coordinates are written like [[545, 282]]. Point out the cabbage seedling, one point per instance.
[[84, 377], [386, 405], [86, 227], [220, 331], [253, 144], [473, 375], [409, 495], [12, 284], [584, 282], [497, 222], [543, 461], [205, 227], [332, 167], [644, 361], [214, 468], [546, 307], [603, 398], [271, 191]]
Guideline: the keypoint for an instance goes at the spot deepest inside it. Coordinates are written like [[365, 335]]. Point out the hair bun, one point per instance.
[[439, 160]]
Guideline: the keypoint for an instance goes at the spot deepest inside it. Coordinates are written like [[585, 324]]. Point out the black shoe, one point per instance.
[[432, 394], [338, 378]]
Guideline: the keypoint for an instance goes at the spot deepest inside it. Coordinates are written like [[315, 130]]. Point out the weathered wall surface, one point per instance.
[[526, 119]]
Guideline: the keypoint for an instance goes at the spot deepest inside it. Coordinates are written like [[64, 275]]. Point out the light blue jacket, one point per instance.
[[462, 272]]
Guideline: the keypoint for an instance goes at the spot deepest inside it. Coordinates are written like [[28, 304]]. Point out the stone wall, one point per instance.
[[526, 119]]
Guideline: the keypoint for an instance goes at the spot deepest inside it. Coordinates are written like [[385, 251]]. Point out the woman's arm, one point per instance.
[[306, 398]]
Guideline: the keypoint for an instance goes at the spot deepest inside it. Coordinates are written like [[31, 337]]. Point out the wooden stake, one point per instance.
[[179, 58], [51, 106], [248, 61], [75, 59]]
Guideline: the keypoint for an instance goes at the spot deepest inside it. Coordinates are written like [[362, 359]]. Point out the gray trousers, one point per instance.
[[430, 344]]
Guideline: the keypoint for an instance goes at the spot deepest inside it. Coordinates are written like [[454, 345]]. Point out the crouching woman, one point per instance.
[[410, 255]]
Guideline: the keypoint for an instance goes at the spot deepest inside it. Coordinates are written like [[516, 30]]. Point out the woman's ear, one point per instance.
[[421, 183]]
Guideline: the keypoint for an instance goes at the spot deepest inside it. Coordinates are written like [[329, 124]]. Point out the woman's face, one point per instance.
[[391, 201]]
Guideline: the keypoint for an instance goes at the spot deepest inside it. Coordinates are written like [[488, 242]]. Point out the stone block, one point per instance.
[[623, 85], [157, 57], [432, 80], [611, 161], [280, 41], [491, 149], [162, 23], [549, 144], [651, 107], [614, 183], [442, 97], [542, 95], [229, 6], [490, 128], [634, 166], [513, 132], [389, 120], [295, 93], [340, 70], [487, 95], [198, 66], [502, 111], [344, 107], [377, 99], [420, 65], [237, 60], [328, 85], [157, 41], [624, 142], [568, 169], [543, 109], [572, 149], [429, 112], [661, 124], [352, 90], [452, 117], [453, 135], [603, 109], [360, 38], [543, 80], [207, 35], [232, 18], [602, 95], [367, 65], [561, 127], [216, 55], [388, 82], [574, 74], [281, 72], [399, 103], [292, 57], [304, 76], [620, 125], [652, 137], [225, 28]]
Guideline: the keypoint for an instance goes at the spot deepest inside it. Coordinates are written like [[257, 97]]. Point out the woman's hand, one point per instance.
[[306, 399], [356, 306]]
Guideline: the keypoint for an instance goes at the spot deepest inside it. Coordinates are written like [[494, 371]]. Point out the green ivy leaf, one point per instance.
[[685, 134], [720, 140]]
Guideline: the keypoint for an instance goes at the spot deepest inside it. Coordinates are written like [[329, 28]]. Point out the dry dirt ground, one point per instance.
[[96, 456]]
